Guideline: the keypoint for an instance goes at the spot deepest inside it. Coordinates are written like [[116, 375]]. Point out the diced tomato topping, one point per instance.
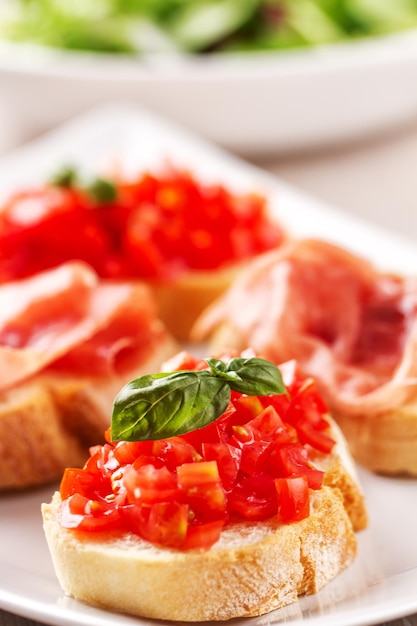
[[253, 463], [308, 433], [80, 513], [292, 460], [102, 460], [148, 484], [128, 451], [45, 227], [174, 452], [253, 457], [202, 536], [76, 480], [212, 433], [268, 422], [207, 503], [192, 475], [293, 501], [247, 407], [167, 524], [228, 459], [155, 227], [254, 498]]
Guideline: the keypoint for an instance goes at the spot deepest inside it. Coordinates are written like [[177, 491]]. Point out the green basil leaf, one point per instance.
[[255, 376], [158, 406], [162, 405], [102, 190], [217, 367], [67, 176]]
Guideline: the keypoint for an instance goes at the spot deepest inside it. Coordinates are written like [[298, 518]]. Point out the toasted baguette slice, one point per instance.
[[385, 443], [48, 422], [182, 301], [254, 568]]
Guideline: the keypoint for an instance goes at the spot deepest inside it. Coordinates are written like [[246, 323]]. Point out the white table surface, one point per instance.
[[376, 179]]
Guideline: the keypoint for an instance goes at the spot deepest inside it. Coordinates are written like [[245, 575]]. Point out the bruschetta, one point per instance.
[[224, 490], [67, 343], [349, 325], [187, 240]]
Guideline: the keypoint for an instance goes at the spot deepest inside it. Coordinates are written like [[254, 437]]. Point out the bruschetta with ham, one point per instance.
[[352, 327], [224, 490], [67, 343]]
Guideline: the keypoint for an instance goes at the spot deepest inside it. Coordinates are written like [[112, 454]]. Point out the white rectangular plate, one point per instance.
[[382, 583]]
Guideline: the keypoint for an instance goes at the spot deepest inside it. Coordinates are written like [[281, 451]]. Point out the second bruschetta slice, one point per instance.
[[67, 343], [349, 325]]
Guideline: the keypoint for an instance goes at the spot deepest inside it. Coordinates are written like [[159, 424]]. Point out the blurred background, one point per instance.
[[322, 93]]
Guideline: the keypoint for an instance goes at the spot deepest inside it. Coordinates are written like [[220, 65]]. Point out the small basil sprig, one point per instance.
[[67, 176], [162, 405], [101, 190]]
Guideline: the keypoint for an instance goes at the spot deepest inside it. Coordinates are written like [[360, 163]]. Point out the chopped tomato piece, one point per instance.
[[203, 536], [242, 435], [212, 433], [81, 513], [206, 502], [149, 484], [253, 457], [293, 461], [174, 452], [102, 461], [268, 421], [191, 475], [254, 498], [228, 459], [128, 451], [315, 438], [293, 500], [76, 480], [202, 490], [167, 524], [247, 407]]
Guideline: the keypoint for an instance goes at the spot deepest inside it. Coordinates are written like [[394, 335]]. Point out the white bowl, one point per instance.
[[252, 104]]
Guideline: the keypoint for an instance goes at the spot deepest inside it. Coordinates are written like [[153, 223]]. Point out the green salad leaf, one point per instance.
[[199, 26]]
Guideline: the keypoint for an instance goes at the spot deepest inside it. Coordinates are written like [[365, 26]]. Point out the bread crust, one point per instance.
[[385, 443], [253, 569], [47, 423], [181, 301], [340, 473]]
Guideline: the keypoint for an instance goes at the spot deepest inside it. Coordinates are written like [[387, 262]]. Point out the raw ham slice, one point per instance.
[[65, 318], [351, 327]]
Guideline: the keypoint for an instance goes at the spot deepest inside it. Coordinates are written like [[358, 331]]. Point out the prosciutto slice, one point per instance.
[[351, 327], [66, 319]]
